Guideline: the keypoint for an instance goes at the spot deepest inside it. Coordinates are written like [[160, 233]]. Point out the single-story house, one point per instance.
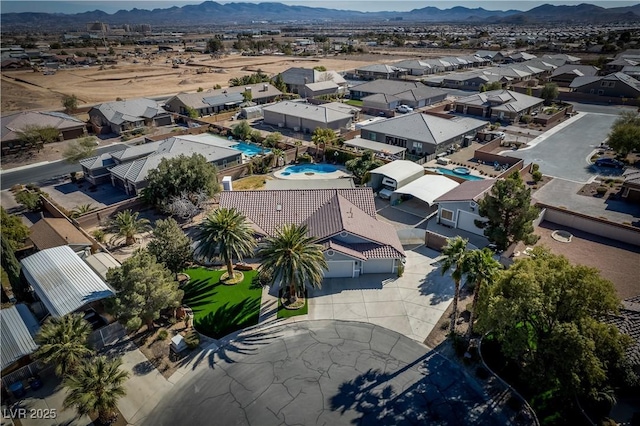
[[458, 208], [18, 328], [14, 124], [520, 57], [631, 186], [568, 59], [414, 94], [618, 64], [423, 191], [415, 67], [215, 101], [498, 105], [132, 176], [343, 221], [62, 282], [304, 117], [472, 80], [617, 85], [51, 232], [321, 88], [632, 70], [422, 134], [565, 74], [492, 55], [296, 78], [382, 149], [380, 71], [391, 176], [120, 116]]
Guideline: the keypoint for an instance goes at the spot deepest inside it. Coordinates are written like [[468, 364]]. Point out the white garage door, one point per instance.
[[466, 222], [339, 268], [377, 266]]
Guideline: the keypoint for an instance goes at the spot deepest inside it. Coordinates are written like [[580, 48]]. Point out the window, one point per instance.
[[446, 215], [372, 136], [417, 146], [607, 83]]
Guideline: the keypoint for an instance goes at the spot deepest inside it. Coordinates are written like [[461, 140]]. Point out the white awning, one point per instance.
[[428, 188]]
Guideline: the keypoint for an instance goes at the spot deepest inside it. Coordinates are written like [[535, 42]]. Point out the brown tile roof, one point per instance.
[[343, 248], [53, 232], [468, 190], [326, 212]]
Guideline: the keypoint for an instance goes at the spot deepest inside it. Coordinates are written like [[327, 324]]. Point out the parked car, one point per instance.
[[609, 162], [404, 109]]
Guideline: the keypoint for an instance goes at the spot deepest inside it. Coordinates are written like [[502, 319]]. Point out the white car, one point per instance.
[[404, 109]]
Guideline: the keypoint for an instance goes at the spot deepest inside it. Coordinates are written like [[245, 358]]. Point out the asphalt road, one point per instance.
[[565, 154], [44, 172], [326, 373]]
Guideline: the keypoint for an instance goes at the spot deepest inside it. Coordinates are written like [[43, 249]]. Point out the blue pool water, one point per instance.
[[451, 173], [250, 150], [309, 168]]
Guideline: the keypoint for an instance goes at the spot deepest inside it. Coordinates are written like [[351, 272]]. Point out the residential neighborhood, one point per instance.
[[299, 215]]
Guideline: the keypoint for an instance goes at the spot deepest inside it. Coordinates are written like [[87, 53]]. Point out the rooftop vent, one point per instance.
[[278, 207]]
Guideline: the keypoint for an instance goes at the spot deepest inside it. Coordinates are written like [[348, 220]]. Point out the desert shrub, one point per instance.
[[30, 200], [535, 167], [305, 158], [537, 176], [400, 269], [526, 119], [601, 190], [192, 339], [162, 334], [98, 234]]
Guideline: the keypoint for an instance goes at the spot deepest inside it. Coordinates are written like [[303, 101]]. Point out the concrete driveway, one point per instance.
[[326, 373], [410, 305], [564, 151]]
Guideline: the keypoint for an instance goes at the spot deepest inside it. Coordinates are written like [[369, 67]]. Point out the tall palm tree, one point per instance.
[[292, 259], [297, 143], [63, 342], [322, 137], [82, 209], [127, 225], [95, 387], [225, 231], [454, 253], [277, 155], [482, 269]]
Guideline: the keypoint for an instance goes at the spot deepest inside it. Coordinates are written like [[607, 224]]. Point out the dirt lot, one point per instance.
[[25, 89]]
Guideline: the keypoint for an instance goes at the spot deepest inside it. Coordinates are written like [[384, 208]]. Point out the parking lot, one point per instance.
[[565, 153]]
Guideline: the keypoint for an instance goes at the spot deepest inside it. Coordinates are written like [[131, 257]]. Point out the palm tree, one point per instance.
[[95, 388], [322, 137], [277, 155], [297, 143], [127, 225], [82, 209], [292, 259], [454, 253], [480, 268], [63, 342], [228, 232], [360, 166]]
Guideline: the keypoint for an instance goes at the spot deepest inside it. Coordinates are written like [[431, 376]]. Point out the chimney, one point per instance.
[[227, 185], [265, 87]]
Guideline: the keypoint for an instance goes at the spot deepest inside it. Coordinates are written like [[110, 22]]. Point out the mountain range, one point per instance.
[[212, 13]]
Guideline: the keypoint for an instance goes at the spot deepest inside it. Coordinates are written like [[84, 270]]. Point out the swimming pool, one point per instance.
[[309, 168], [250, 150], [452, 173]]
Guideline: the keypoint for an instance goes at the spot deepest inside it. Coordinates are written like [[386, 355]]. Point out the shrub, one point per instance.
[[16, 188], [162, 334], [192, 339], [400, 269], [526, 119], [601, 190], [305, 158], [265, 278], [535, 167], [31, 200], [537, 176], [99, 235]]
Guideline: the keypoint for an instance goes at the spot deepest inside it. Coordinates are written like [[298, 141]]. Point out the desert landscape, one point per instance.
[[28, 90]]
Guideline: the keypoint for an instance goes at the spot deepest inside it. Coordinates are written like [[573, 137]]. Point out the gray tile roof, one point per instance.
[[137, 171], [501, 100], [577, 70], [18, 327], [326, 212], [380, 68], [102, 160], [618, 76], [137, 151], [229, 95], [628, 322], [63, 282], [395, 87], [470, 190], [316, 113], [321, 85], [130, 110], [631, 176], [300, 76], [425, 128], [13, 124], [380, 98]]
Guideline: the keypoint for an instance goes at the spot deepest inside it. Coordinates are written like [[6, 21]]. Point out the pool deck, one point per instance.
[[311, 176]]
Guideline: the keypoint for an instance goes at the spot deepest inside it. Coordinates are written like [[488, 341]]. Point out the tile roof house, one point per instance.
[[55, 232], [498, 105], [215, 101], [616, 85], [388, 94], [18, 328], [343, 221], [472, 80], [380, 71], [422, 134], [628, 322], [62, 281], [565, 74], [304, 117], [121, 116], [458, 208], [14, 124], [296, 78]]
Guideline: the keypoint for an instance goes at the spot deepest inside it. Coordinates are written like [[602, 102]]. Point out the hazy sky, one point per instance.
[[53, 6]]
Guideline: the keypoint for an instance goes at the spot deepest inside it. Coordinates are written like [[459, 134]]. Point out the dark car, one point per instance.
[[609, 162]]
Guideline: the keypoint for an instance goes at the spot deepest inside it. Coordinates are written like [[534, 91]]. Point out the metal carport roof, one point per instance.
[[17, 328], [428, 188], [399, 169], [63, 282]]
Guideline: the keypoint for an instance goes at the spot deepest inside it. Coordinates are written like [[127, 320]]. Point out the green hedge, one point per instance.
[[342, 156]]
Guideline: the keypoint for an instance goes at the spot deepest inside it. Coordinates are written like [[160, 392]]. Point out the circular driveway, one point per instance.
[[329, 373]]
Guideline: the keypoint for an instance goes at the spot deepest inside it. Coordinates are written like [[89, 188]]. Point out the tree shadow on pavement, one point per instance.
[[438, 286]]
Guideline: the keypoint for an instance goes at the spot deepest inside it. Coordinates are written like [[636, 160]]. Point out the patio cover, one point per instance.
[[428, 188], [361, 143]]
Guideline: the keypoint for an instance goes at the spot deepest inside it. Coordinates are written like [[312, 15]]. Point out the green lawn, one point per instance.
[[354, 102], [220, 309]]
